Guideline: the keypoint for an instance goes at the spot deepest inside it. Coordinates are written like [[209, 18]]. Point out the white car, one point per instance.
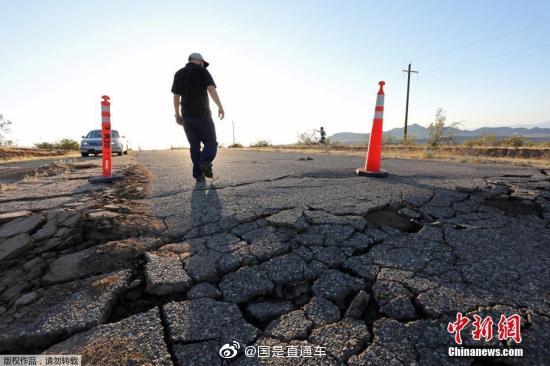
[[92, 143]]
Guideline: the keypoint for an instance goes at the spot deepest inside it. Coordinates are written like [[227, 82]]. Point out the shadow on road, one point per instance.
[[206, 207]]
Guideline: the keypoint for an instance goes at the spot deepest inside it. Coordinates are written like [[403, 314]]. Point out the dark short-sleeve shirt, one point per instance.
[[190, 83]]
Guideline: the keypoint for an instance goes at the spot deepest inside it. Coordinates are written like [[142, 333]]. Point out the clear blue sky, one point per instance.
[[281, 67]]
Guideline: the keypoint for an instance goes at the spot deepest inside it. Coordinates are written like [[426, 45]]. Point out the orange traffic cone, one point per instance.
[[374, 152]]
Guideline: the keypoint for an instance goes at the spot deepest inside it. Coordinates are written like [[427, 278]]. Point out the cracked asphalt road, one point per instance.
[[279, 253], [282, 251]]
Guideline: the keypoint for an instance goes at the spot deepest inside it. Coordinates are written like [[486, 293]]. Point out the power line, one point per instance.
[[408, 71], [511, 53], [470, 65], [470, 44]]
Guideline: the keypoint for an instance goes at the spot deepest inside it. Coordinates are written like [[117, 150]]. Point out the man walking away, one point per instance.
[[191, 87]]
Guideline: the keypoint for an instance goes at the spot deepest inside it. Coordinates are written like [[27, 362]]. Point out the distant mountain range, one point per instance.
[[531, 125], [421, 134]]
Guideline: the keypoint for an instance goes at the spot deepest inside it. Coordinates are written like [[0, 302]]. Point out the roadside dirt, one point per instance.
[[527, 156], [8, 154]]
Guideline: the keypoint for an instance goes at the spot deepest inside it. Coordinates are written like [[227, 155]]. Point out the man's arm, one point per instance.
[[177, 114], [214, 95]]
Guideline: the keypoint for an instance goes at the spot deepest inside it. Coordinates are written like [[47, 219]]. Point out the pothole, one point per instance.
[[390, 217]]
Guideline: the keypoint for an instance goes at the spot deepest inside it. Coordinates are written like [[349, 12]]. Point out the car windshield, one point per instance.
[[96, 134]]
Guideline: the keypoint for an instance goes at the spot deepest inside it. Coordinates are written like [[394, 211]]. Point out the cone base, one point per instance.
[[102, 179], [364, 173]]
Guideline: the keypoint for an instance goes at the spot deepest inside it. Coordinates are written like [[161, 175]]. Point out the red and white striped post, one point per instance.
[[106, 143], [106, 135], [374, 152]]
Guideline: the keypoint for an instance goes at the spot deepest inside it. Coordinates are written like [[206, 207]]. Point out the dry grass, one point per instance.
[[434, 155], [31, 177], [418, 152], [7, 187], [11, 154]]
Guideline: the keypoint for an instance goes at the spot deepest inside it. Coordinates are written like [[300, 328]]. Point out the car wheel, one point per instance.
[[119, 153], [84, 155], [126, 152]]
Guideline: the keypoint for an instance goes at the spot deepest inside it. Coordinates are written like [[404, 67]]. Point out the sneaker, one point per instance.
[[200, 179], [207, 170]]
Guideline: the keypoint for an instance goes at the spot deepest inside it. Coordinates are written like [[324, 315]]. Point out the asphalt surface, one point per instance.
[[395, 258], [281, 259]]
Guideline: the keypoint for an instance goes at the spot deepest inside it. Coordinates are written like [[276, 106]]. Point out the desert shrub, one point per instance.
[[428, 154], [492, 140], [235, 146], [483, 140], [45, 145], [4, 130], [261, 143], [307, 138], [515, 141], [440, 130], [63, 144], [333, 143], [68, 144], [388, 140], [7, 143]]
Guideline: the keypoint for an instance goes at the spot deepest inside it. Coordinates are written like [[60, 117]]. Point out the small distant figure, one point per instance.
[[323, 134]]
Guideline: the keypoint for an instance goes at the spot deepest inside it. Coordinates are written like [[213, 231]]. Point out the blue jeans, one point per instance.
[[200, 129]]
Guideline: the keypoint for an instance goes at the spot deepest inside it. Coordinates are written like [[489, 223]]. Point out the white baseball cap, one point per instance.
[[198, 56]]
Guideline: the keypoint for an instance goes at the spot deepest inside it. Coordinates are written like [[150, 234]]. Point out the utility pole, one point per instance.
[[233, 123], [408, 71]]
